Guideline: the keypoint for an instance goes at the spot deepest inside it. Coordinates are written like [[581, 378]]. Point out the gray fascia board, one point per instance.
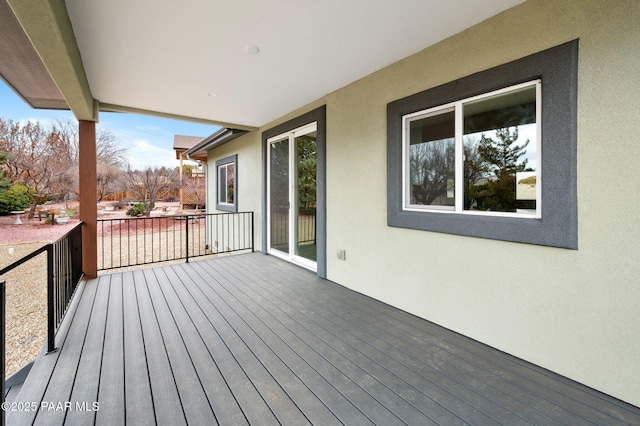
[[217, 139]]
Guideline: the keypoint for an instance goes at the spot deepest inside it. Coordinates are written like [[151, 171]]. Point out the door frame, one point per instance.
[[319, 117], [292, 195]]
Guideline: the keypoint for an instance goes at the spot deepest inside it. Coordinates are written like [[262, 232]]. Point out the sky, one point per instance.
[[148, 140]]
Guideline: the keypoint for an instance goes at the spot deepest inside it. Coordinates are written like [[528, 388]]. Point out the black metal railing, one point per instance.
[[64, 272], [140, 241]]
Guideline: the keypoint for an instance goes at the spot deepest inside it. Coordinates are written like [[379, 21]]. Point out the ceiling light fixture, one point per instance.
[[252, 50], [212, 95]]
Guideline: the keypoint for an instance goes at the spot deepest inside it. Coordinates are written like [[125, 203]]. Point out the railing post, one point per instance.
[[2, 344], [51, 334], [186, 221], [252, 233]]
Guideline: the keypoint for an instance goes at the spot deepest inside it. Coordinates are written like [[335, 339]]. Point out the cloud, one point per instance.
[[45, 122], [150, 128], [142, 153]]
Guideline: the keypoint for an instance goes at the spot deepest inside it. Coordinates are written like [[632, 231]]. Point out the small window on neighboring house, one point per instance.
[[226, 193], [479, 155]]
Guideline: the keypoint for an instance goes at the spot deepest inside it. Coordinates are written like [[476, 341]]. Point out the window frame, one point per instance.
[[457, 108], [225, 163], [557, 69]]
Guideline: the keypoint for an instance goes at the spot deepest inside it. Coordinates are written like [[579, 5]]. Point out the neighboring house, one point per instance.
[[189, 194], [380, 185]]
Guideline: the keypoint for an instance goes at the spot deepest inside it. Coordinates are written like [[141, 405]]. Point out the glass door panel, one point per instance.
[[292, 196], [306, 187], [279, 195]]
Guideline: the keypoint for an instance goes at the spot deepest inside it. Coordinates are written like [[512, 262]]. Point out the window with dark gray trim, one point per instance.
[[433, 120], [478, 155], [227, 184]]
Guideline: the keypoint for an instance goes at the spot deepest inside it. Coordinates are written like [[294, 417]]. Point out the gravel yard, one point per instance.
[[26, 309]]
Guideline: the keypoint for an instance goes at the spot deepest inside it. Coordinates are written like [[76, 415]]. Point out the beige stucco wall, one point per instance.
[[574, 312], [249, 178]]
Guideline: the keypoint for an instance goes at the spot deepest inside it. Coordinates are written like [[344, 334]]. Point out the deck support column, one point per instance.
[[88, 197]]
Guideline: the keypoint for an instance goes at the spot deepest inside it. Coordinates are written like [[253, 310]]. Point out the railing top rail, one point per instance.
[[76, 226], [173, 215], [36, 252], [24, 259]]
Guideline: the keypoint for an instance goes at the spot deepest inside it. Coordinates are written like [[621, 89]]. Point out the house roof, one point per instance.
[[185, 142], [181, 143], [253, 63]]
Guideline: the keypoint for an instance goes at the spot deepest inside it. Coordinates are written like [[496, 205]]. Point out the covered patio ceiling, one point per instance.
[[239, 64]]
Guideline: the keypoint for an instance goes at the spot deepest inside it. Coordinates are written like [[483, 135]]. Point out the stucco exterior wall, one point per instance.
[[576, 312], [248, 175]]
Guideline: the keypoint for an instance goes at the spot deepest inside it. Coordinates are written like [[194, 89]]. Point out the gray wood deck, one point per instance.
[[250, 339]]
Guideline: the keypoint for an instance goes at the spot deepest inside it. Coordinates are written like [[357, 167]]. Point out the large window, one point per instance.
[[490, 155], [226, 194], [478, 155]]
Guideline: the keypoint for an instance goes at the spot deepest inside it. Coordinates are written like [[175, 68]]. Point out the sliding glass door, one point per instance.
[[292, 196]]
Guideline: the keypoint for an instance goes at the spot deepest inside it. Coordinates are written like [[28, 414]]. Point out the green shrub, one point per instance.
[[138, 209], [15, 198]]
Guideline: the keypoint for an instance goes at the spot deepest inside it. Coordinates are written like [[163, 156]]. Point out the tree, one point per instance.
[[432, 168], [307, 172], [45, 158], [499, 161], [4, 182], [40, 159], [109, 152], [110, 156], [149, 185], [12, 197], [106, 180]]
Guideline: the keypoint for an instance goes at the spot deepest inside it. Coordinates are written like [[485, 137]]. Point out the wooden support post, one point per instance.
[[88, 198]]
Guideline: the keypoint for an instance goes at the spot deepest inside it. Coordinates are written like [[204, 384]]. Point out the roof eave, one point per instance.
[[216, 140]]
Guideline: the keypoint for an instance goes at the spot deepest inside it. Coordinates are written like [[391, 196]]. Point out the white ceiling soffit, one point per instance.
[[190, 57]]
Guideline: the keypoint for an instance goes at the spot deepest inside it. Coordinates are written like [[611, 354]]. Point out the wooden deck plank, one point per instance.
[[67, 363], [404, 381], [87, 379], [283, 363], [327, 359], [111, 391], [238, 340], [36, 384], [139, 408], [191, 327], [195, 404], [406, 387], [346, 337], [11, 393], [240, 387], [166, 400]]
